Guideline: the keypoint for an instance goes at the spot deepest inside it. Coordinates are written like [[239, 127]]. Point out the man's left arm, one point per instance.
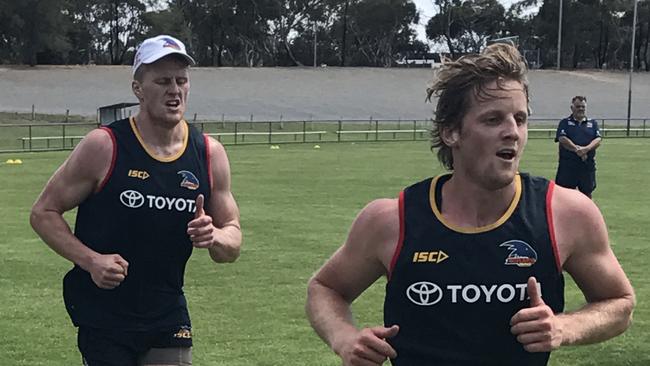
[[584, 250], [216, 224]]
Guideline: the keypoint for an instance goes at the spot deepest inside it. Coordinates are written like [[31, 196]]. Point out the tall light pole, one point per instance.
[[559, 38], [315, 43], [629, 88]]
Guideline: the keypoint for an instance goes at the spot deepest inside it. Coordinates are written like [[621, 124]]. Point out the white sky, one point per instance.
[[427, 10]]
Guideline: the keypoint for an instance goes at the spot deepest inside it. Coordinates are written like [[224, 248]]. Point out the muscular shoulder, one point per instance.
[[80, 175], [99, 138], [383, 212], [573, 206], [578, 222], [217, 151], [367, 251], [219, 164], [376, 229], [93, 155]]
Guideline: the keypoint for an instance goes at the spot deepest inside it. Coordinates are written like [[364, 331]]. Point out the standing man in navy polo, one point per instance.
[[579, 137]]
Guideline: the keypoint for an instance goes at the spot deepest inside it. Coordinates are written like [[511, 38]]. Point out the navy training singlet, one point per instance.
[[140, 213], [454, 290]]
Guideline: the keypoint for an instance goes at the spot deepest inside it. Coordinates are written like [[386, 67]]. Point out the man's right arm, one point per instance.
[[355, 266], [76, 179], [564, 140], [568, 144]]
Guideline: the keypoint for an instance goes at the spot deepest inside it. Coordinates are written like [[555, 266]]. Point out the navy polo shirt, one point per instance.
[[580, 133]]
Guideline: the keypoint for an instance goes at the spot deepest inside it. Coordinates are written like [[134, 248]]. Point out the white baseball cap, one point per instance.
[[153, 49]]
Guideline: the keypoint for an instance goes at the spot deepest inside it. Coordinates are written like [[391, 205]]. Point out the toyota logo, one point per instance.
[[424, 293], [132, 199]]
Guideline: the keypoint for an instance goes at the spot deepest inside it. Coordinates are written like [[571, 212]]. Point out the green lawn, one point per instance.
[[296, 204]]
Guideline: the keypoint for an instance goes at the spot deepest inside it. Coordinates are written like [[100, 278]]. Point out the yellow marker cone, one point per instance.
[[10, 161], [18, 161], [316, 146]]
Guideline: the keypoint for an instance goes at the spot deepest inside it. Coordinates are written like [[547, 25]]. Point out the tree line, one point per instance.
[[595, 33]]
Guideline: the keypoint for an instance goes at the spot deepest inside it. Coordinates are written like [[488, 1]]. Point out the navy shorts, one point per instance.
[[107, 347], [580, 176]]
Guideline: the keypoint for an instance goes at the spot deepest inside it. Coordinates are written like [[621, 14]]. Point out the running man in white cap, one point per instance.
[[148, 189]]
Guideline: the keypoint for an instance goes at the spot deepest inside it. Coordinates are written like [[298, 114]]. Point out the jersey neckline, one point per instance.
[[466, 229], [150, 152]]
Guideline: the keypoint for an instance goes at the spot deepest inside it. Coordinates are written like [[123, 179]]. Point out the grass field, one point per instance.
[[296, 206]]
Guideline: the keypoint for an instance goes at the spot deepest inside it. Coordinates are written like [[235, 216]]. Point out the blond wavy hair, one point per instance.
[[455, 80]]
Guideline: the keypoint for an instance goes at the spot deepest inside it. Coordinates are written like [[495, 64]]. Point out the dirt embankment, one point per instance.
[[306, 93]]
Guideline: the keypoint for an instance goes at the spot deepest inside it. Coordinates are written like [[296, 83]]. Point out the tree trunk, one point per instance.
[[115, 37], [452, 51], [448, 35], [212, 44], [30, 47], [221, 36], [290, 54], [606, 48], [599, 51]]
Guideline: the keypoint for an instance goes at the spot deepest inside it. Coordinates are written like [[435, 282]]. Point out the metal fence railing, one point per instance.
[[65, 136], [609, 127], [42, 136]]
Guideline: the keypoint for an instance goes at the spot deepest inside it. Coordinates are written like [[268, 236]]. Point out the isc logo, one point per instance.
[[435, 256], [183, 333], [138, 174]]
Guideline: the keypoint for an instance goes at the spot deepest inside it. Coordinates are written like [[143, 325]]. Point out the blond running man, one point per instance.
[[474, 258], [148, 189]]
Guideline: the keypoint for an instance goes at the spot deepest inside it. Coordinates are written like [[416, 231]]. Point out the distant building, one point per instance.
[[114, 112], [423, 60], [512, 40]]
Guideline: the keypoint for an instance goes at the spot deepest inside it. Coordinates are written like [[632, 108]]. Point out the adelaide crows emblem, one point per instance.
[[189, 180], [171, 43], [521, 254]]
